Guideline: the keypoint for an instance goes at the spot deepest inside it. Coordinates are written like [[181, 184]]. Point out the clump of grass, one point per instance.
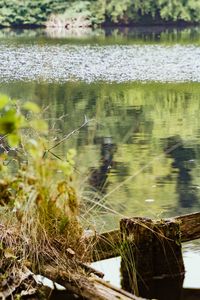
[[39, 206]]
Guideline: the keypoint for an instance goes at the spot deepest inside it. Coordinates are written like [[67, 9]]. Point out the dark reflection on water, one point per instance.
[[110, 35], [99, 176], [183, 158], [123, 152]]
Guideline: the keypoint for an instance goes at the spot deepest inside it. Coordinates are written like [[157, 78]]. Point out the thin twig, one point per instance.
[[86, 121], [52, 153], [3, 136]]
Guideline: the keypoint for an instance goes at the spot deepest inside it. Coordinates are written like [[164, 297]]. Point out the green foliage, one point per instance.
[[153, 11], [15, 12], [28, 12], [11, 120], [36, 189]]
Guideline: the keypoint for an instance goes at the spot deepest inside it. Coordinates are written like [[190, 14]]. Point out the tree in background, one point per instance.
[[96, 12]]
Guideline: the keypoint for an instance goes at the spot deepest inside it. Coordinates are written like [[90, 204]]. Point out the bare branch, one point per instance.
[[86, 121]]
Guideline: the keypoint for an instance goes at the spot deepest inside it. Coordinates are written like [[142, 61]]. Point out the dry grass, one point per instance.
[[39, 223]]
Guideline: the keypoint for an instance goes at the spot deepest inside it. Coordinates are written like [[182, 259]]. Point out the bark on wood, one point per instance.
[[137, 254], [90, 270], [189, 226], [152, 263], [167, 261], [88, 288]]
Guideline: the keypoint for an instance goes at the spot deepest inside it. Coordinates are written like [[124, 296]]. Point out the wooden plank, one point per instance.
[[108, 244]]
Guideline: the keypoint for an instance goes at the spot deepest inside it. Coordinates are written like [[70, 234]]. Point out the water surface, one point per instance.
[[116, 63], [140, 156]]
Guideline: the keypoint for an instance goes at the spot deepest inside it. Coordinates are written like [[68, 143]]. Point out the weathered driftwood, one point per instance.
[[23, 282], [90, 270], [189, 226], [89, 288], [108, 244], [152, 264]]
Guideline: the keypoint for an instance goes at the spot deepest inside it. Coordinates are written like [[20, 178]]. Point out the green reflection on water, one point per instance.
[[129, 169], [110, 36]]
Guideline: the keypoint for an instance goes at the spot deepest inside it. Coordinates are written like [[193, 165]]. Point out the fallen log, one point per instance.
[[189, 226], [90, 288], [108, 244]]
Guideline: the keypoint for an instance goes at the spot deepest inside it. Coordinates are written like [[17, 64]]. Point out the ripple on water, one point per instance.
[[92, 63]]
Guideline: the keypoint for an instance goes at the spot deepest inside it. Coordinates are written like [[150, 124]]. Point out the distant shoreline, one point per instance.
[[107, 25]]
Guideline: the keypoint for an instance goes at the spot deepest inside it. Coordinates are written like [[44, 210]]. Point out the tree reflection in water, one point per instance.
[[98, 177], [183, 158]]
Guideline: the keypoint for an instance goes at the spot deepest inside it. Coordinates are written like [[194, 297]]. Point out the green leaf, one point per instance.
[[13, 140], [31, 106], [11, 120]]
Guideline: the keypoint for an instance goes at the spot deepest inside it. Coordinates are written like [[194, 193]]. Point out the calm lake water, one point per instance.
[[140, 153]]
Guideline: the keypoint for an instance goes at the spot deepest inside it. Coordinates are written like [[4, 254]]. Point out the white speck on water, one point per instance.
[[106, 63], [149, 200]]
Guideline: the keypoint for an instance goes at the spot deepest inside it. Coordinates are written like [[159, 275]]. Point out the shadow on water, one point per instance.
[[107, 35], [183, 160], [99, 176]]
